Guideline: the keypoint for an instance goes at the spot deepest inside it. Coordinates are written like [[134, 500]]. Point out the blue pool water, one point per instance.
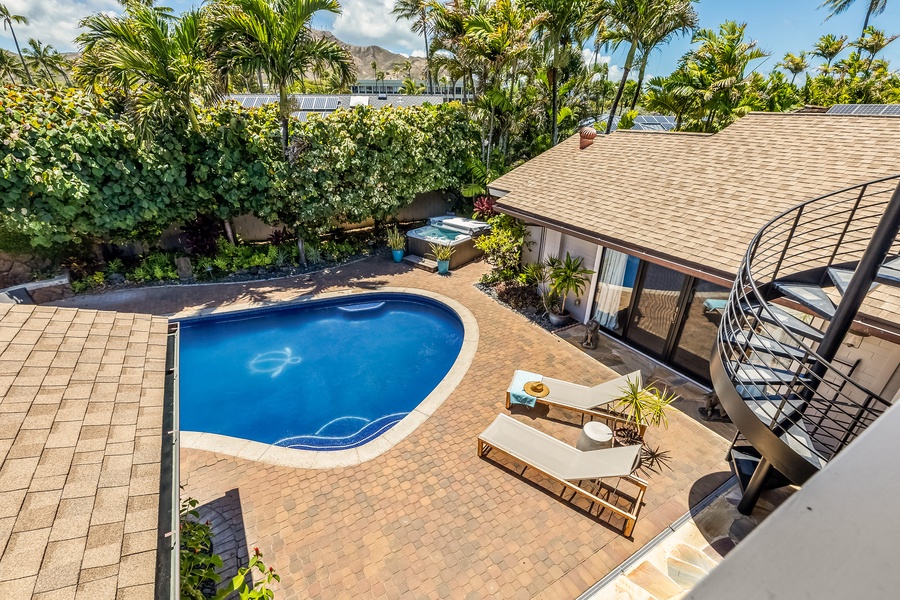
[[323, 375]]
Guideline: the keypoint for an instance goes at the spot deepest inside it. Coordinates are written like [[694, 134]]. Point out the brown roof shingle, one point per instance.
[[701, 198], [81, 408]]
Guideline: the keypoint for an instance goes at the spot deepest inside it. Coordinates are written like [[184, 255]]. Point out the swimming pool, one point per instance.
[[321, 375]]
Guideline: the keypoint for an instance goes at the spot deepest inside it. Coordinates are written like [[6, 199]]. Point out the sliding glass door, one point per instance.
[[670, 316], [618, 272], [656, 310]]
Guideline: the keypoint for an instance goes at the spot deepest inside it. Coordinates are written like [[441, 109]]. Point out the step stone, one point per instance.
[[419, 262]]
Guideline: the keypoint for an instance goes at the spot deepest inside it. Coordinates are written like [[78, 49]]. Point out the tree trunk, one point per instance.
[[66, 77], [259, 79], [427, 50], [629, 61], [283, 108], [229, 232], [640, 83], [22, 58], [50, 75], [301, 245], [554, 92], [866, 22]]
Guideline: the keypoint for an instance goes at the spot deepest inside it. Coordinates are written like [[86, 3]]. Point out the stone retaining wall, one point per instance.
[[16, 269]]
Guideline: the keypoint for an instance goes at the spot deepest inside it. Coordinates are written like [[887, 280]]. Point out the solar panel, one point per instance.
[[319, 103], [332, 103], [865, 109]]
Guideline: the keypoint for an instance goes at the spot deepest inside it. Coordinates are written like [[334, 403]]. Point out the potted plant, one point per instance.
[[643, 407], [397, 243], [442, 255], [563, 277]]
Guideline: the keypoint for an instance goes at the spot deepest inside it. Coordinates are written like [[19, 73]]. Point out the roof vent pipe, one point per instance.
[[587, 136]]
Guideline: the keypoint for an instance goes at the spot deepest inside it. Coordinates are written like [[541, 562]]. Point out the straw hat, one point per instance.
[[536, 389]]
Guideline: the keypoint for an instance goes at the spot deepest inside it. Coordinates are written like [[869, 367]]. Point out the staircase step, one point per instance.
[[889, 273], [419, 262], [692, 555], [773, 408], [657, 583], [684, 574], [756, 374], [811, 296], [841, 279], [801, 443], [761, 343], [786, 320]]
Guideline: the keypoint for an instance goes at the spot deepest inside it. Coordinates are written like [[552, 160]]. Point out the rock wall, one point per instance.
[[16, 269]]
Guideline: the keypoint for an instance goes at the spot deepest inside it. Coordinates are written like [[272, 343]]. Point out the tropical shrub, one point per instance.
[[503, 247], [73, 168]]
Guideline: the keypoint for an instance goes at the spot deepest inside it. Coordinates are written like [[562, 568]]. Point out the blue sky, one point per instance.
[[779, 25]]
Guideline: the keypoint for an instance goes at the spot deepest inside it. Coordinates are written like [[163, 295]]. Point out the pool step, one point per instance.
[[421, 263]]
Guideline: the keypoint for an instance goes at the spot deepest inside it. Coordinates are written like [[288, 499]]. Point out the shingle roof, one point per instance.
[[81, 409], [699, 199]]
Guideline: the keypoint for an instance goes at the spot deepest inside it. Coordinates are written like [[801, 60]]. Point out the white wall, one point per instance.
[[577, 247]]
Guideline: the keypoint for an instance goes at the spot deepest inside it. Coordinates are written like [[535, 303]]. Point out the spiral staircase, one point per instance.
[[775, 366]]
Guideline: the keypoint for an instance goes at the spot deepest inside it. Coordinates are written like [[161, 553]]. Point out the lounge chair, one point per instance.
[[565, 464], [597, 401]]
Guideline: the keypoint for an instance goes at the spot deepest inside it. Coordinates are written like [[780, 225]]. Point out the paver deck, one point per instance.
[[429, 519]]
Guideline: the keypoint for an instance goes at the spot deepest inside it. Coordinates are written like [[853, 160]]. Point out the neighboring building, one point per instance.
[[308, 104], [392, 86]]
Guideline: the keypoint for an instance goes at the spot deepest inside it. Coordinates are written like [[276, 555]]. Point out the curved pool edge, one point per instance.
[[310, 459]]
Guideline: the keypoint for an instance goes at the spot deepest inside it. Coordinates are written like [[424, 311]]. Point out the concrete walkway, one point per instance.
[[429, 519]]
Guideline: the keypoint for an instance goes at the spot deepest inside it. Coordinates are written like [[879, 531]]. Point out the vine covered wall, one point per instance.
[[73, 168]]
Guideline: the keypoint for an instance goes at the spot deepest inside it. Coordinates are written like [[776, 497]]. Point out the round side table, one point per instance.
[[594, 436]]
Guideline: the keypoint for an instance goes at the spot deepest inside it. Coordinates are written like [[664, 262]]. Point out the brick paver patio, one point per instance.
[[429, 519]]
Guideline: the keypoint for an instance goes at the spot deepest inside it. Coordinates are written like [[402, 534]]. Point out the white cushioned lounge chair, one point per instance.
[[597, 400], [567, 465]]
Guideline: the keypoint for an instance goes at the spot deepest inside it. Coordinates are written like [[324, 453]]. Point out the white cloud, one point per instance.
[[615, 72], [418, 54], [370, 22], [54, 21]]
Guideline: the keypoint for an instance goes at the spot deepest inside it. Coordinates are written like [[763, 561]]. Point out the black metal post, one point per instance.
[[755, 487], [866, 271]]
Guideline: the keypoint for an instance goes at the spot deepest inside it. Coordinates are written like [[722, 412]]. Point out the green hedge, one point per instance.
[[73, 169]]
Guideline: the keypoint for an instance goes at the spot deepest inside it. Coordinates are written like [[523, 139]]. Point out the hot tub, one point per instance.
[[450, 230]]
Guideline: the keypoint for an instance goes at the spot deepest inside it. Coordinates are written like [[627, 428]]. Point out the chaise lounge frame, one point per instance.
[[485, 446], [610, 416]]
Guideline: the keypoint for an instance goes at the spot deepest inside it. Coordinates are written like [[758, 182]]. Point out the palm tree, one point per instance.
[[794, 64], [714, 75], [159, 63], [676, 17], [828, 48], [276, 36], [8, 19], [557, 29], [642, 24], [873, 8], [10, 68], [411, 87], [417, 12], [41, 56]]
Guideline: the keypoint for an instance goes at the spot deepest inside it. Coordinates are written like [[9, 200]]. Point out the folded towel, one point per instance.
[[516, 389]]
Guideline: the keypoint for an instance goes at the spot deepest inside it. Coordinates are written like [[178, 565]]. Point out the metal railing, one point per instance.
[[807, 404]]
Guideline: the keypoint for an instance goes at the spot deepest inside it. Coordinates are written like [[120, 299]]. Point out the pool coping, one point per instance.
[[311, 459]]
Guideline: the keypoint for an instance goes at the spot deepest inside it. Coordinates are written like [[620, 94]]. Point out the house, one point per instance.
[[665, 219], [799, 214]]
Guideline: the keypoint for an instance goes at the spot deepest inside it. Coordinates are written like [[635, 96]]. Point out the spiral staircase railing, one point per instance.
[[774, 368]]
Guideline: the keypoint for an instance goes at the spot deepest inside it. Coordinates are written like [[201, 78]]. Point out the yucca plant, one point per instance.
[[441, 252], [395, 239], [645, 406]]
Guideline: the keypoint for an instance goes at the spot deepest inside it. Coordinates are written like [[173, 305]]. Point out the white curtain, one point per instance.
[[609, 290]]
